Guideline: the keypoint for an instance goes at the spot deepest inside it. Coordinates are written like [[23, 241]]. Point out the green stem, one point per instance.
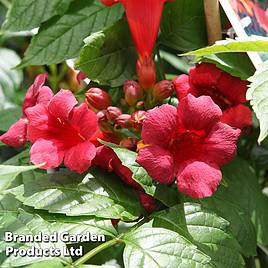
[[95, 251], [160, 64]]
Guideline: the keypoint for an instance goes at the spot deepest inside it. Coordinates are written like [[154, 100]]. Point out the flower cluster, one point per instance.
[[186, 144]]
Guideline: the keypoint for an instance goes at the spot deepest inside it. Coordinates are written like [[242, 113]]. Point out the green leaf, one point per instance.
[[183, 25], [46, 264], [28, 14], [258, 96], [8, 117], [178, 63], [109, 56], [9, 173], [242, 203], [24, 223], [231, 45], [128, 159], [236, 64], [61, 38], [99, 194], [167, 195], [10, 80], [161, 248], [204, 229]]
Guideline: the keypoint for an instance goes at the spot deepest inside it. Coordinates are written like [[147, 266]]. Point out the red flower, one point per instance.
[[108, 160], [227, 91], [144, 19], [37, 93], [60, 131], [189, 143]]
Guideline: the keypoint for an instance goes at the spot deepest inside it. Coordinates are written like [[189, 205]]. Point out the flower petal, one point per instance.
[[38, 117], [104, 158], [32, 93], [233, 88], [144, 19], [198, 179], [79, 157], [62, 104], [204, 75], [159, 125], [239, 116], [16, 135], [44, 96], [220, 144], [45, 151], [84, 120], [158, 163], [198, 113], [182, 86]]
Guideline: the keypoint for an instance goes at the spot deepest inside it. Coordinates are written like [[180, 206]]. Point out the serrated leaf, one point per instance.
[[25, 223], [161, 248], [28, 14], [231, 45], [204, 229], [183, 25], [9, 173], [109, 56], [128, 159], [8, 117], [242, 203], [236, 64], [61, 38], [10, 79], [99, 194], [257, 94], [167, 195]]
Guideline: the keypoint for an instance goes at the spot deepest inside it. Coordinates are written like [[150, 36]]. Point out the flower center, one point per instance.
[[187, 144], [217, 97]]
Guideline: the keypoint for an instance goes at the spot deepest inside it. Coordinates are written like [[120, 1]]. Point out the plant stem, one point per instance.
[[95, 251]]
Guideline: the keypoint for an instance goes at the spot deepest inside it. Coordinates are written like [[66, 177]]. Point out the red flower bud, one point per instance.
[[163, 89], [103, 122], [133, 92], [113, 112], [123, 120], [140, 105], [147, 201], [146, 72], [97, 99], [80, 77], [129, 143], [137, 119], [109, 2]]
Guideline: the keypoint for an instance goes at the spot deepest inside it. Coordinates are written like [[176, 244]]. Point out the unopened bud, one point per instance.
[[123, 121], [80, 77], [146, 72], [163, 89], [129, 143], [103, 122], [113, 112], [133, 92], [140, 105], [137, 119], [147, 201], [109, 2], [98, 99]]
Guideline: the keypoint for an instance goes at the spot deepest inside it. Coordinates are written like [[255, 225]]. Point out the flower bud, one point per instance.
[[80, 77], [97, 99], [133, 92], [109, 2], [163, 89], [147, 201], [146, 72], [113, 112], [103, 122], [123, 121], [137, 119], [140, 105], [129, 143]]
